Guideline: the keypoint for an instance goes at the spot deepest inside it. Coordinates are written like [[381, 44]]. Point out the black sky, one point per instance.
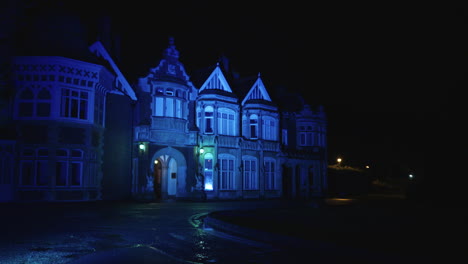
[[379, 70], [384, 72]]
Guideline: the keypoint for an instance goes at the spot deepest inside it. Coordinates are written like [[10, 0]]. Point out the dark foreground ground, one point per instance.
[[383, 228], [387, 224]]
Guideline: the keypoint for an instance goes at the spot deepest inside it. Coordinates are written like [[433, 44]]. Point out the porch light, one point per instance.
[[142, 146]]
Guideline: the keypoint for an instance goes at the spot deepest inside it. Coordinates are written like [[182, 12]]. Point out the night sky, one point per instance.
[[384, 73], [377, 69]]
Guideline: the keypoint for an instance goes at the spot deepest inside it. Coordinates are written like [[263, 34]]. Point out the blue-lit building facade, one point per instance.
[[216, 135], [75, 129]]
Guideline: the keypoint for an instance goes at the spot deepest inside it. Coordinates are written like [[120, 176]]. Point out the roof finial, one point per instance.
[[171, 51]]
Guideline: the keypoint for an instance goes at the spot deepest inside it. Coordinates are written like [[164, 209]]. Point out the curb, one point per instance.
[[274, 239]]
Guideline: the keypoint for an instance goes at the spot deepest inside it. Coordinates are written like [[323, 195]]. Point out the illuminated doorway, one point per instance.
[[165, 177], [157, 170], [169, 171]]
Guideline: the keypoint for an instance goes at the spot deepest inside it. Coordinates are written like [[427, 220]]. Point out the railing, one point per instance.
[[168, 123], [227, 141]]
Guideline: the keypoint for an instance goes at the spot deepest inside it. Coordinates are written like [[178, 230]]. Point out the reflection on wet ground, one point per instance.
[[70, 233]]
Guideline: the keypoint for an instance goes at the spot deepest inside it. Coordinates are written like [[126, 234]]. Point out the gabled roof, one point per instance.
[[216, 81], [223, 80], [257, 92], [170, 68], [98, 49]]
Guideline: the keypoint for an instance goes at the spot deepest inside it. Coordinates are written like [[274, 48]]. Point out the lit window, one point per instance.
[[74, 104], [269, 128], [209, 119], [178, 108], [159, 109], [253, 126], [226, 122], [169, 107]]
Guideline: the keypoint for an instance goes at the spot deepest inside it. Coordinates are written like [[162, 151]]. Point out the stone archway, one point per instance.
[[169, 168]]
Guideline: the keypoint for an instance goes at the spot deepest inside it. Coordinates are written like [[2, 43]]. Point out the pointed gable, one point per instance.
[[170, 68], [257, 92], [216, 81]]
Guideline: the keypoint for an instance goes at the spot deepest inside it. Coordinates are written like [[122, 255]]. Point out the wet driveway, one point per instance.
[[168, 232]]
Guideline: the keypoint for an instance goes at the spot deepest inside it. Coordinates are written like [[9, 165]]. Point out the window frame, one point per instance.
[[250, 173], [227, 176]]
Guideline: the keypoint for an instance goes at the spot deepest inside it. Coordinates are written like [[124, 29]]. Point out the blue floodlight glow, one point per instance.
[[209, 186], [208, 180]]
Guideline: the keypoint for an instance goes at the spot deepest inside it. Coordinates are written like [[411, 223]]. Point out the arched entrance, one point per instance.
[[169, 172], [157, 171]]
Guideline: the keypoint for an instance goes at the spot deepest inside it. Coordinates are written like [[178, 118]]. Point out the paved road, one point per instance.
[[171, 232], [148, 232]]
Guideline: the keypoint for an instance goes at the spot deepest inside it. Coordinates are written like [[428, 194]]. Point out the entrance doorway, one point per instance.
[[169, 172], [157, 170], [165, 177]]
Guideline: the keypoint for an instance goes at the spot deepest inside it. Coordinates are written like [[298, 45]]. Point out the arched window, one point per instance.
[[34, 103], [209, 120], [253, 123]]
